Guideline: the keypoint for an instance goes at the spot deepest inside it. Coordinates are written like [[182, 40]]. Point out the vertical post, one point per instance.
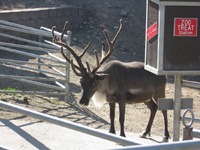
[[39, 61], [68, 41], [177, 108]]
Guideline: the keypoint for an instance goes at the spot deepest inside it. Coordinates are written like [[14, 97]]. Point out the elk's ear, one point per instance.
[[101, 76]]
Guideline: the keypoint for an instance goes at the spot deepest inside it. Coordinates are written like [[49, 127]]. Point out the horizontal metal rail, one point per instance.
[[31, 78], [30, 68], [55, 57], [4, 148], [36, 31], [49, 42], [25, 31], [196, 133], [197, 120], [34, 92], [56, 82], [30, 54], [60, 84], [67, 124], [31, 63], [28, 47], [23, 27], [26, 40], [191, 84], [40, 84], [183, 145]]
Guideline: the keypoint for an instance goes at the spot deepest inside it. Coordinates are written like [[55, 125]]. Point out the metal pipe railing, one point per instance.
[[49, 48], [40, 84], [191, 83], [197, 120], [30, 30], [196, 133], [30, 68], [30, 54], [26, 40], [67, 124], [35, 92], [183, 145], [31, 78], [31, 63], [22, 27], [28, 47]]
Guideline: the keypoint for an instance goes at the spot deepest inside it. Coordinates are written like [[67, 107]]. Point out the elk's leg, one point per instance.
[[112, 117], [122, 117], [153, 108], [166, 137]]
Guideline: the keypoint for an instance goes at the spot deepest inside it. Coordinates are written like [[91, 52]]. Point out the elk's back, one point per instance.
[[129, 77]]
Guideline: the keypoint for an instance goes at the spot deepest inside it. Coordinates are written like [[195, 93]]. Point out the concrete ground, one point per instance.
[[32, 135]]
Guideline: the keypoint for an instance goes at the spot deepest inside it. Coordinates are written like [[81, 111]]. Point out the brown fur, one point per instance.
[[129, 83]]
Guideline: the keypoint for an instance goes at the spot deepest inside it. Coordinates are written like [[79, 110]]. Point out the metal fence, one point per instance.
[[67, 124], [132, 145], [53, 71], [188, 134], [53, 74]]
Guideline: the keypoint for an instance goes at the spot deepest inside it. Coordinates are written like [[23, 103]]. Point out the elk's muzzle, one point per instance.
[[84, 101]]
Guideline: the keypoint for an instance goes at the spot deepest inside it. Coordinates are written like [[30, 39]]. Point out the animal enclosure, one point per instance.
[[46, 67]]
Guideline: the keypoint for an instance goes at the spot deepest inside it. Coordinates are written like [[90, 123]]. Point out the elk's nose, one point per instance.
[[83, 101]]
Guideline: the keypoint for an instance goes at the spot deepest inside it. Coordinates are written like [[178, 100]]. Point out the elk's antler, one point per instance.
[[80, 67], [82, 70], [110, 50]]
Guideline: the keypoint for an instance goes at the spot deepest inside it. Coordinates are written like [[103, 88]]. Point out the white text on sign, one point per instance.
[[185, 26]]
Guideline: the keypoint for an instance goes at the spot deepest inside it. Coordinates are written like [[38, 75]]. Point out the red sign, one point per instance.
[[152, 31], [185, 26]]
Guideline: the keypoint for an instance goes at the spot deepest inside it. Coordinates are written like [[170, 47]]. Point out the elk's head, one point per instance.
[[89, 78]]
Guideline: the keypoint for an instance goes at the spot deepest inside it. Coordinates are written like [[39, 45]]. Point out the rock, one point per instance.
[[106, 3], [74, 39], [122, 48], [90, 18], [80, 27], [119, 6], [116, 27], [124, 13], [109, 6], [84, 23]]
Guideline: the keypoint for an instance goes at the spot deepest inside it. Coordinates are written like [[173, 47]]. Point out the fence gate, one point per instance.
[[31, 53]]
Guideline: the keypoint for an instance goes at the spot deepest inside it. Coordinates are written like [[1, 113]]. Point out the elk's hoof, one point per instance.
[[165, 139], [144, 135], [123, 135], [112, 132]]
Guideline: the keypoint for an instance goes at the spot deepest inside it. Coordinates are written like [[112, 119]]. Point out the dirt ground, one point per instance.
[[129, 47]]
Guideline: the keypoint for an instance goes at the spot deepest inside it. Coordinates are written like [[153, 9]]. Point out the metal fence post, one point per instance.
[[68, 41], [177, 108], [39, 60]]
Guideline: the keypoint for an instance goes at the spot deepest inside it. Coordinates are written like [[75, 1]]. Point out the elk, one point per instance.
[[117, 82]]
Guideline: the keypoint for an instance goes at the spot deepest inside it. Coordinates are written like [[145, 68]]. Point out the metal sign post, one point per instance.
[[177, 108], [172, 46]]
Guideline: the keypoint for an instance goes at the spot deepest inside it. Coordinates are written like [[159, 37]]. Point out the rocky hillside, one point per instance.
[[104, 14]]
